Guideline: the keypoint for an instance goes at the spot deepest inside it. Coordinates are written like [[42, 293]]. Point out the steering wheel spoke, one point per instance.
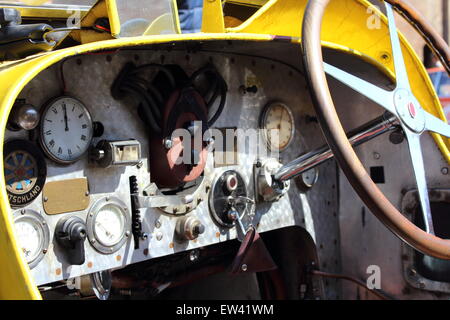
[[436, 125], [378, 95], [415, 150], [401, 74]]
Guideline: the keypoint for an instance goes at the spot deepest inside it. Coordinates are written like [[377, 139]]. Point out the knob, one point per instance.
[[71, 234], [189, 228], [231, 183]]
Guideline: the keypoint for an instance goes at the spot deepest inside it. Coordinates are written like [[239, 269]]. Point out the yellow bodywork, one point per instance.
[[345, 28]]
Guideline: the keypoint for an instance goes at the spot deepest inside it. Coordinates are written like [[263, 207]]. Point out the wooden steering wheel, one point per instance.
[[400, 102]]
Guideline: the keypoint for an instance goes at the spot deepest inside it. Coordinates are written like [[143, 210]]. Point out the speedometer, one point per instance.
[[277, 123]]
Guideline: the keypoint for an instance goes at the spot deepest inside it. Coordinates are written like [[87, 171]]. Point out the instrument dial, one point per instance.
[[278, 124], [108, 225], [66, 130], [32, 235]]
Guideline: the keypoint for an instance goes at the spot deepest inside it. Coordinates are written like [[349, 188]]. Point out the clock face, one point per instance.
[[66, 130]]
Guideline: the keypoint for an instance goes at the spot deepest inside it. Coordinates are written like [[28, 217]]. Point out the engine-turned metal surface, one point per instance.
[[89, 78]]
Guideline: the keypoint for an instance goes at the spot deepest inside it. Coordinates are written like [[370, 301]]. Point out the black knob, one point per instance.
[[9, 16], [70, 234], [198, 229]]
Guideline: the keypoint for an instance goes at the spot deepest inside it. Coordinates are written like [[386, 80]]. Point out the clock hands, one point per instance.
[[65, 117]]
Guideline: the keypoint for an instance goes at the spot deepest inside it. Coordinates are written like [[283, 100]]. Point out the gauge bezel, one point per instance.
[[262, 125], [212, 210], [35, 217], [90, 223], [44, 111]]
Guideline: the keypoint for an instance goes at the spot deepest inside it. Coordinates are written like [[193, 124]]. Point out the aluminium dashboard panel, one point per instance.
[[121, 122]]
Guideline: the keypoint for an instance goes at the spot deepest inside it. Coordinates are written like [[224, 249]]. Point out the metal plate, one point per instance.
[[66, 196]]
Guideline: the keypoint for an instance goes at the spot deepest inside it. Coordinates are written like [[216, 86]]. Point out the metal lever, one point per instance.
[[362, 134]]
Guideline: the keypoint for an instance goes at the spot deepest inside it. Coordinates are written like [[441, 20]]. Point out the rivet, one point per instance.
[[244, 267]]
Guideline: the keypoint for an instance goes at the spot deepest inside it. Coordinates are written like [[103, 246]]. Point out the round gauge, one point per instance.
[[32, 235], [108, 225], [278, 126], [66, 130], [25, 171]]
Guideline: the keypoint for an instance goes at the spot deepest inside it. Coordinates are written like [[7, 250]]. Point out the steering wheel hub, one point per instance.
[[409, 110]]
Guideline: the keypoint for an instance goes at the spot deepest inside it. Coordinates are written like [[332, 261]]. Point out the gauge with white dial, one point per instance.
[[108, 224], [66, 130], [278, 126], [32, 235]]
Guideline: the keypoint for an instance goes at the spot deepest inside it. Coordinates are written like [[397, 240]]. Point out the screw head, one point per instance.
[[444, 171], [168, 144]]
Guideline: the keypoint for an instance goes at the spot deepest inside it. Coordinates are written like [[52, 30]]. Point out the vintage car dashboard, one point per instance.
[[91, 163]]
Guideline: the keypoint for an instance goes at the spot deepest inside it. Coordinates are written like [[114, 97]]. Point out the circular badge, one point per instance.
[[25, 171]]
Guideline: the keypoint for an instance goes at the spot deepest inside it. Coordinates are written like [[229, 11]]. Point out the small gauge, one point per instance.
[[108, 225], [25, 171], [66, 130], [307, 179], [33, 235], [278, 126]]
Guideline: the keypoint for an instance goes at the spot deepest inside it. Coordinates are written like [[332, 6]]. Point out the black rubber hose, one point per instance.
[[148, 98], [165, 70], [147, 114], [220, 87]]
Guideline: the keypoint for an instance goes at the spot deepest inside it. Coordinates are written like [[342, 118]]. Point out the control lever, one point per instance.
[[70, 234], [252, 255], [233, 213], [19, 41], [368, 131]]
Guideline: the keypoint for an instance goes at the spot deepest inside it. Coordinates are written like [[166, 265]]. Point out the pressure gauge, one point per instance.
[[108, 225], [32, 234], [278, 126], [66, 130]]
